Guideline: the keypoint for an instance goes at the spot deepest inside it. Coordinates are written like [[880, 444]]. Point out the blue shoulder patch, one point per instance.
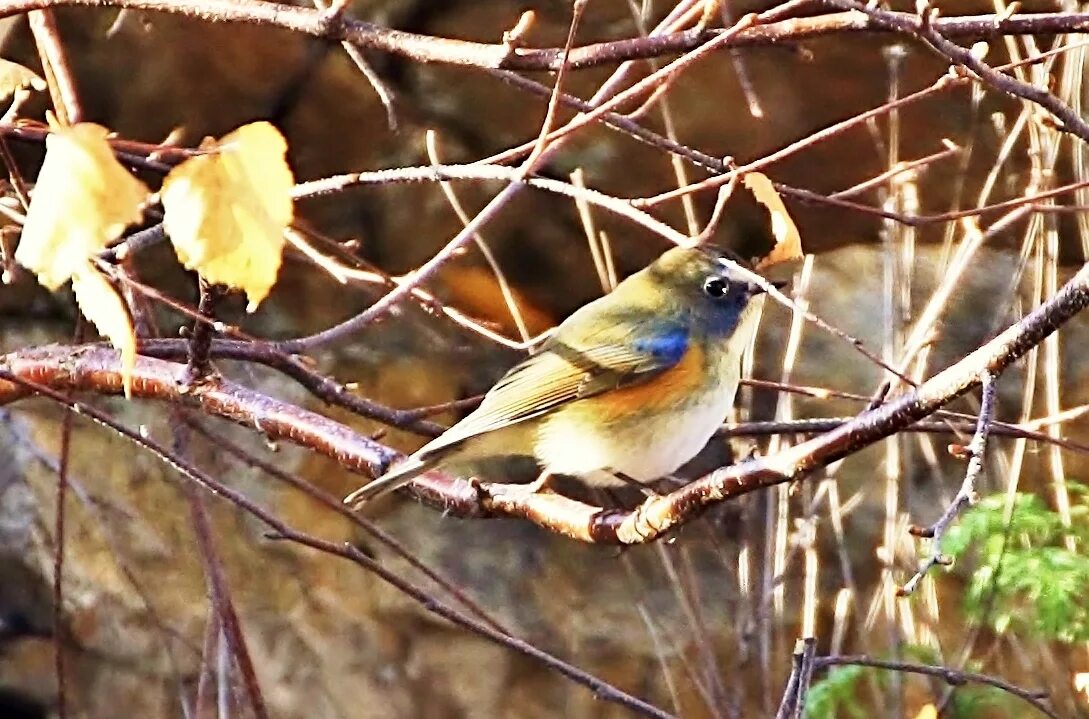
[[666, 346]]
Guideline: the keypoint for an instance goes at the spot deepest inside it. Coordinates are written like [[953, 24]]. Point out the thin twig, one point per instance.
[[334, 13], [59, 629], [966, 495], [809, 649], [334, 504], [801, 669], [58, 74], [219, 592], [952, 677], [200, 333]]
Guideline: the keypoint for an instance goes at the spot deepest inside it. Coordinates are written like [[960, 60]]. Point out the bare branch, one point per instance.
[[99, 371], [952, 677], [429, 49]]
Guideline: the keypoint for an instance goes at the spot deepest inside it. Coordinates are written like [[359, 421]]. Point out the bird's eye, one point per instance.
[[714, 287]]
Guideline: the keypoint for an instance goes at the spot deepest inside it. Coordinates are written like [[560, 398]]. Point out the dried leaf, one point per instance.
[[84, 199], [226, 211], [100, 303], [14, 76], [788, 242]]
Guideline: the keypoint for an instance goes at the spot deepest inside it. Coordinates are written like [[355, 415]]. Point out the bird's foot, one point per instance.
[[520, 491]]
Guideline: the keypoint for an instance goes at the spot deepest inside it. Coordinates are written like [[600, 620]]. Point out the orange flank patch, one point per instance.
[[668, 389]]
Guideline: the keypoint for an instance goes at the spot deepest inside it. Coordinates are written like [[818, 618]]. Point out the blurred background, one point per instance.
[[702, 624]]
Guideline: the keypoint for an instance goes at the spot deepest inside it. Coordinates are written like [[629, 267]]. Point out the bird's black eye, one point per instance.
[[714, 287]]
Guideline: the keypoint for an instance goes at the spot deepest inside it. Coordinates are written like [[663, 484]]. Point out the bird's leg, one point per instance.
[[540, 483], [519, 491]]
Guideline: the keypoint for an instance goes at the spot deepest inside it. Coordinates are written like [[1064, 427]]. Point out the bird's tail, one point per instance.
[[397, 477]]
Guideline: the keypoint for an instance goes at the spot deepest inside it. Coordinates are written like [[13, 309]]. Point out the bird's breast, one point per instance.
[[645, 430]]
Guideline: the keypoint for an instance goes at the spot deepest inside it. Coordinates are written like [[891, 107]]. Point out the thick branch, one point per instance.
[[425, 48], [659, 515], [98, 370], [95, 369]]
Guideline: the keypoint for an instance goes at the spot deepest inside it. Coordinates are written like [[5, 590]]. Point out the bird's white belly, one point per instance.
[[644, 449]]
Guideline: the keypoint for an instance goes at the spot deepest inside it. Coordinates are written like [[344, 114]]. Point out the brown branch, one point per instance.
[[950, 423], [220, 597], [430, 49], [952, 677], [659, 515], [59, 536], [966, 495], [792, 705], [55, 67], [201, 333], [929, 31], [601, 689], [321, 386], [98, 370], [337, 394]]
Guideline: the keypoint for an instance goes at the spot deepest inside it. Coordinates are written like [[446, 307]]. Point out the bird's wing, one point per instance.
[[564, 371]]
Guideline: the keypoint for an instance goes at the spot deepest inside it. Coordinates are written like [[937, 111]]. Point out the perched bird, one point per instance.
[[629, 387]]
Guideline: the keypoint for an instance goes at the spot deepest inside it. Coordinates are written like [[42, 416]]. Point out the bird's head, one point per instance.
[[703, 282]]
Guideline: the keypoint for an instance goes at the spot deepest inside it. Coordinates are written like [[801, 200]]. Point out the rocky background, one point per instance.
[[691, 624]]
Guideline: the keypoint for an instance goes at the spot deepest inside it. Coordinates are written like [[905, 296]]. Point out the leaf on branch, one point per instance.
[[14, 76], [82, 201], [100, 303], [226, 211], [788, 241]]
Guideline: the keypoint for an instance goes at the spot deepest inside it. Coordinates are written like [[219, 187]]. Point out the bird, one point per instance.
[[628, 388]]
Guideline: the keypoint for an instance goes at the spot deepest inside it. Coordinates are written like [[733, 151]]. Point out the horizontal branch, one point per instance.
[[952, 677], [601, 689], [658, 515], [431, 49], [97, 369]]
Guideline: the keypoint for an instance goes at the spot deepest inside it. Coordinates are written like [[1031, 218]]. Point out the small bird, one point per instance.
[[629, 387]]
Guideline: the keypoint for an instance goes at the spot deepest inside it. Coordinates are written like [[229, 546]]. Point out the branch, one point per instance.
[[952, 677], [601, 689], [928, 30], [97, 369], [431, 49], [966, 495], [792, 704], [658, 515]]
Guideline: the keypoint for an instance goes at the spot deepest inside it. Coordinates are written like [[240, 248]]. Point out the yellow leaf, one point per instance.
[[226, 211], [101, 304], [928, 712], [14, 76], [83, 199], [788, 242]]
